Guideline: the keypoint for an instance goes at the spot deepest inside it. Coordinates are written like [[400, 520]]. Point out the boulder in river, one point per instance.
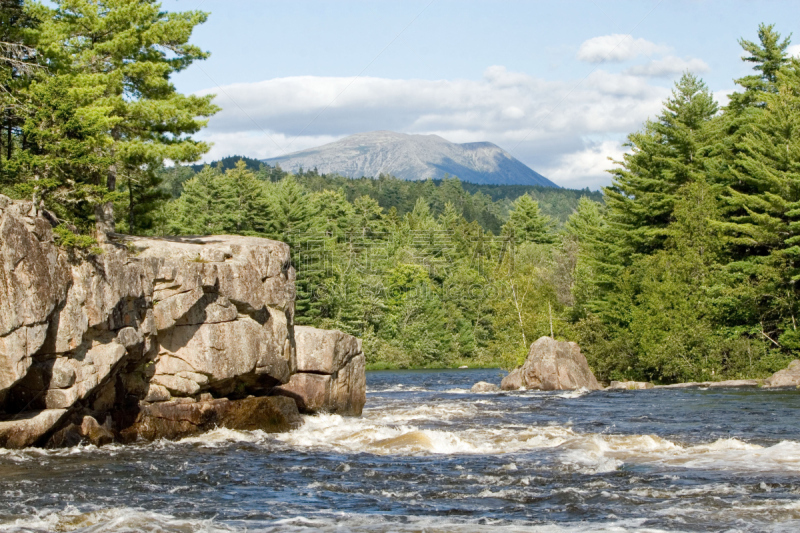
[[483, 386], [552, 365], [788, 377], [330, 373], [178, 419]]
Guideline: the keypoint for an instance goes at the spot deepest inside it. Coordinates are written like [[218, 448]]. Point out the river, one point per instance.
[[430, 456]]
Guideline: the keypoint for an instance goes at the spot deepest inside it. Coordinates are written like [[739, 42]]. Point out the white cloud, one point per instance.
[[587, 167], [537, 120], [723, 97], [669, 66], [616, 48], [794, 51]]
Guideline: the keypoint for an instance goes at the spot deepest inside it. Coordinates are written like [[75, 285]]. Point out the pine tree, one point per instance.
[[18, 62], [144, 197], [526, 223], [106, 89], [249, 214], [669, 153], [333, 213], [205, 206], [769, 56], [367, 222], [762, 207]]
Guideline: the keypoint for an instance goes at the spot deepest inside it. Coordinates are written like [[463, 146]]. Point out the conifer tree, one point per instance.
[[367, 219], [669, 153], [333, 213], [18, 62], [769, 56], [204, 207], [249, 213], [107, 84], [526, 223], [762, 206]]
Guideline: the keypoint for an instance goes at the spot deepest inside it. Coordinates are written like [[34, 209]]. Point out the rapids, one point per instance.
[[430, 456]]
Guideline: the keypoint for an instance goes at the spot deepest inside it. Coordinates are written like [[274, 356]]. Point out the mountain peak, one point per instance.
[[413, 157]]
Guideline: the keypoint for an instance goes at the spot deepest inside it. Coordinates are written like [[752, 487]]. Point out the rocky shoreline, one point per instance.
[[558, 365], [157, 338]]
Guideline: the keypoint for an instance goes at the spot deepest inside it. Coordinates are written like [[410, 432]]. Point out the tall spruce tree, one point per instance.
[[108, 93], [762, 208], [527, 223], [769, 56], [205, 206], [669, 153]]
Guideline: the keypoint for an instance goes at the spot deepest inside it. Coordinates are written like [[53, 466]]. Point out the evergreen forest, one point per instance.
[[684, 268]]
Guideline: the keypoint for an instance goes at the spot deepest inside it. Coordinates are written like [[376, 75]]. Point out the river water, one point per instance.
[[430, 456]]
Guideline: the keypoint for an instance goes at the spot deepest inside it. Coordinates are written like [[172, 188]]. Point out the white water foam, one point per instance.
[[402, 431], [71, 519], [109, 520]]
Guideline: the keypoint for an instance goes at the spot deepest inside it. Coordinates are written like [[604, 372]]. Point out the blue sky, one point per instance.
[[559, 84]]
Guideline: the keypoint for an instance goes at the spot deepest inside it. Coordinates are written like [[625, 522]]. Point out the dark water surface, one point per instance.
[[429, 456]]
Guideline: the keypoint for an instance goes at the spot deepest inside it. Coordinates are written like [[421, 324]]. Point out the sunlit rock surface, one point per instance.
[[552, 365], [96, 340], [788, 377], [330, 372]]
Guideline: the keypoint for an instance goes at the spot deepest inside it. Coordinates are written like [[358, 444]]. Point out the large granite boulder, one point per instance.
[[788, 377], [113, 343], [223, 308], [330, 372], [552, 365]]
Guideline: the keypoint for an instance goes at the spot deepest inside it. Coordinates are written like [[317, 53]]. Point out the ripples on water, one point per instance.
[[429, 456]]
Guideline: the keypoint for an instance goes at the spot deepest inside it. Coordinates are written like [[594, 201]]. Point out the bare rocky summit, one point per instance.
[[552, 365], [156, 338], [413, 157]]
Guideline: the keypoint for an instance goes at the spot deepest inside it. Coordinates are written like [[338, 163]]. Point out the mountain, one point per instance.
[[413, 157]]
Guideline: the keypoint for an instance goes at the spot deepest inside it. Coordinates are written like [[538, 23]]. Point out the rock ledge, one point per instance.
[[157, 337]]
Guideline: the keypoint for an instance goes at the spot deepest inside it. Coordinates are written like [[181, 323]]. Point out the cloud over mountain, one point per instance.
[[540, 122]]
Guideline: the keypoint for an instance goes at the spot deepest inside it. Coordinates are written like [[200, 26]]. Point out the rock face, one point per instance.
[[88, 345], [552, 365], [176, 419], [330, 372], [788, 377]]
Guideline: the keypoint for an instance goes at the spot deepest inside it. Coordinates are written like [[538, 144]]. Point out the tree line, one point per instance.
[[489, 205], [686, 269]]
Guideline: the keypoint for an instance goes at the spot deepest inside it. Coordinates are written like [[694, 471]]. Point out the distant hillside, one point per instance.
[[413, 158]]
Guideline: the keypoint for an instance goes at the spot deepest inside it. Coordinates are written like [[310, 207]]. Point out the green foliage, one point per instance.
[[692, 273], [66, 238], [488, 205], [98, 113], [685, 268], [526, 223]]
